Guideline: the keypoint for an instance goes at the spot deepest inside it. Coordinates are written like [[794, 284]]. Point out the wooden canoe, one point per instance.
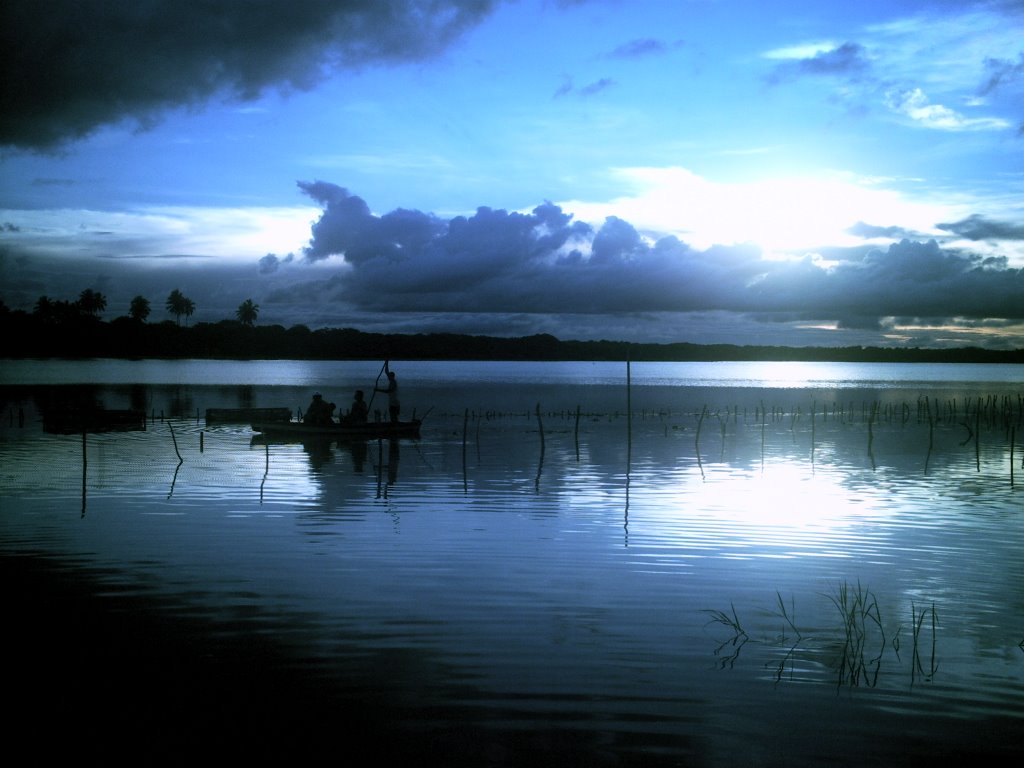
[[247, 415], [370, 430]]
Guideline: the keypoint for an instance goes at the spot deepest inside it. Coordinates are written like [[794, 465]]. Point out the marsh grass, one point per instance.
[[735, 642], [917, 622], [858, 645], [863, 635], [791, 636], [788, 616]]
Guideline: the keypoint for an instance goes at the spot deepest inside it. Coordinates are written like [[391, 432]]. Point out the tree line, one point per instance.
[[91, 303], [73, 329]]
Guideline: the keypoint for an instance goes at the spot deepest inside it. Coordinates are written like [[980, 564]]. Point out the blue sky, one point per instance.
[[710, 171]]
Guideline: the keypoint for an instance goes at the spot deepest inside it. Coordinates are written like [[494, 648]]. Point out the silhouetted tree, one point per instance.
[[43, 308], [55, 312], [91, 302], [139, 309], [178, 304], [247, 312]]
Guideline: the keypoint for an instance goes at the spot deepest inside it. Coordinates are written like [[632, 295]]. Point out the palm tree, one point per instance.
[[91, 302], [247, 312], [44, 308], [139, 309], [190, 307], [178, 304], [54, 311]]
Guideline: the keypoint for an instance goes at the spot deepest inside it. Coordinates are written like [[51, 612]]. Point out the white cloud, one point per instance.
[[801, 51], [915, 104]]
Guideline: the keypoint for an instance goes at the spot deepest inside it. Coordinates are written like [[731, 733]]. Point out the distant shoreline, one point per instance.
[[127, 339]]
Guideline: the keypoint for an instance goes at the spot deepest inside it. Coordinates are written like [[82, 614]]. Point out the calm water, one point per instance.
[[722, 564]]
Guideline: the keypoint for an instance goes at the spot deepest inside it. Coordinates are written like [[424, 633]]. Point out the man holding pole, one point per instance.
[[394, 406]]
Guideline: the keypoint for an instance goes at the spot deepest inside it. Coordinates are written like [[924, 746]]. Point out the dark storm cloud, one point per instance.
[[978, 227], [347, 227], [545, 262], [71, 66], [907, 278], [270, 263], [859, 323]]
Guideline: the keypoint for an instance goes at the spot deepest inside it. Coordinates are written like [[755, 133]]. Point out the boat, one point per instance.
[[370, 430], [73, 421], [246, 415]]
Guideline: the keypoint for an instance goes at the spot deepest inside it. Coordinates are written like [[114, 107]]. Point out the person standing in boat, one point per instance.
[[394, 407], [320, 412]]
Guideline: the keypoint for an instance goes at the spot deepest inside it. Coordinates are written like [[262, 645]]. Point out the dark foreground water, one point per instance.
[[714, 566]]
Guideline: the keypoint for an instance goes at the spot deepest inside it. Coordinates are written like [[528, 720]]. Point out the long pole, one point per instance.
[[375, 383]]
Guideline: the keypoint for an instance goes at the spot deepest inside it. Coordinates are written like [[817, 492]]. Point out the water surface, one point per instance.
[[719, 564]]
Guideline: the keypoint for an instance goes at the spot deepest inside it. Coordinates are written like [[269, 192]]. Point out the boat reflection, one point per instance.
[[322, 450]]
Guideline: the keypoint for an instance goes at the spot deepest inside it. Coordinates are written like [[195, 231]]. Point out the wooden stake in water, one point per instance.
[[629, 413], [696, 439], [175, 441], [977, 437], [576, 433], [85, 463], [266, 467], [540, 428], [540, 461], [465, 428], [629, 445]]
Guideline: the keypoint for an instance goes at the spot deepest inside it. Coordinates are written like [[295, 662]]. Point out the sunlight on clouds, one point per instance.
[[781, 215], [243, 232], [963, 329], [226, 233]]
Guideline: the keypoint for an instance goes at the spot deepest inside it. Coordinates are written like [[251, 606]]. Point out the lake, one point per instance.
[[699, 564]]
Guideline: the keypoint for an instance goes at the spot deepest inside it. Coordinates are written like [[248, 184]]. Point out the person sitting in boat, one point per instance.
[[320, 412], [392, 391], [359, 411]]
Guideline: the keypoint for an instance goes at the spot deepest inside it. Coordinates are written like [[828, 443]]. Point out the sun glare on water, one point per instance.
[[781, 511]]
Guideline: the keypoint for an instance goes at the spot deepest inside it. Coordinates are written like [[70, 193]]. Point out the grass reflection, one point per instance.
[[854, 650], [732, 645], [863, 635]]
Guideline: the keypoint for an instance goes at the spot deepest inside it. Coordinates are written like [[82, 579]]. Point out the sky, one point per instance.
[[797, 173]]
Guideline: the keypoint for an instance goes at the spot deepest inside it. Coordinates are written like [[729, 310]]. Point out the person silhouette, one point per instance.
[[394, 406], [359, 411], [320, 412]]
